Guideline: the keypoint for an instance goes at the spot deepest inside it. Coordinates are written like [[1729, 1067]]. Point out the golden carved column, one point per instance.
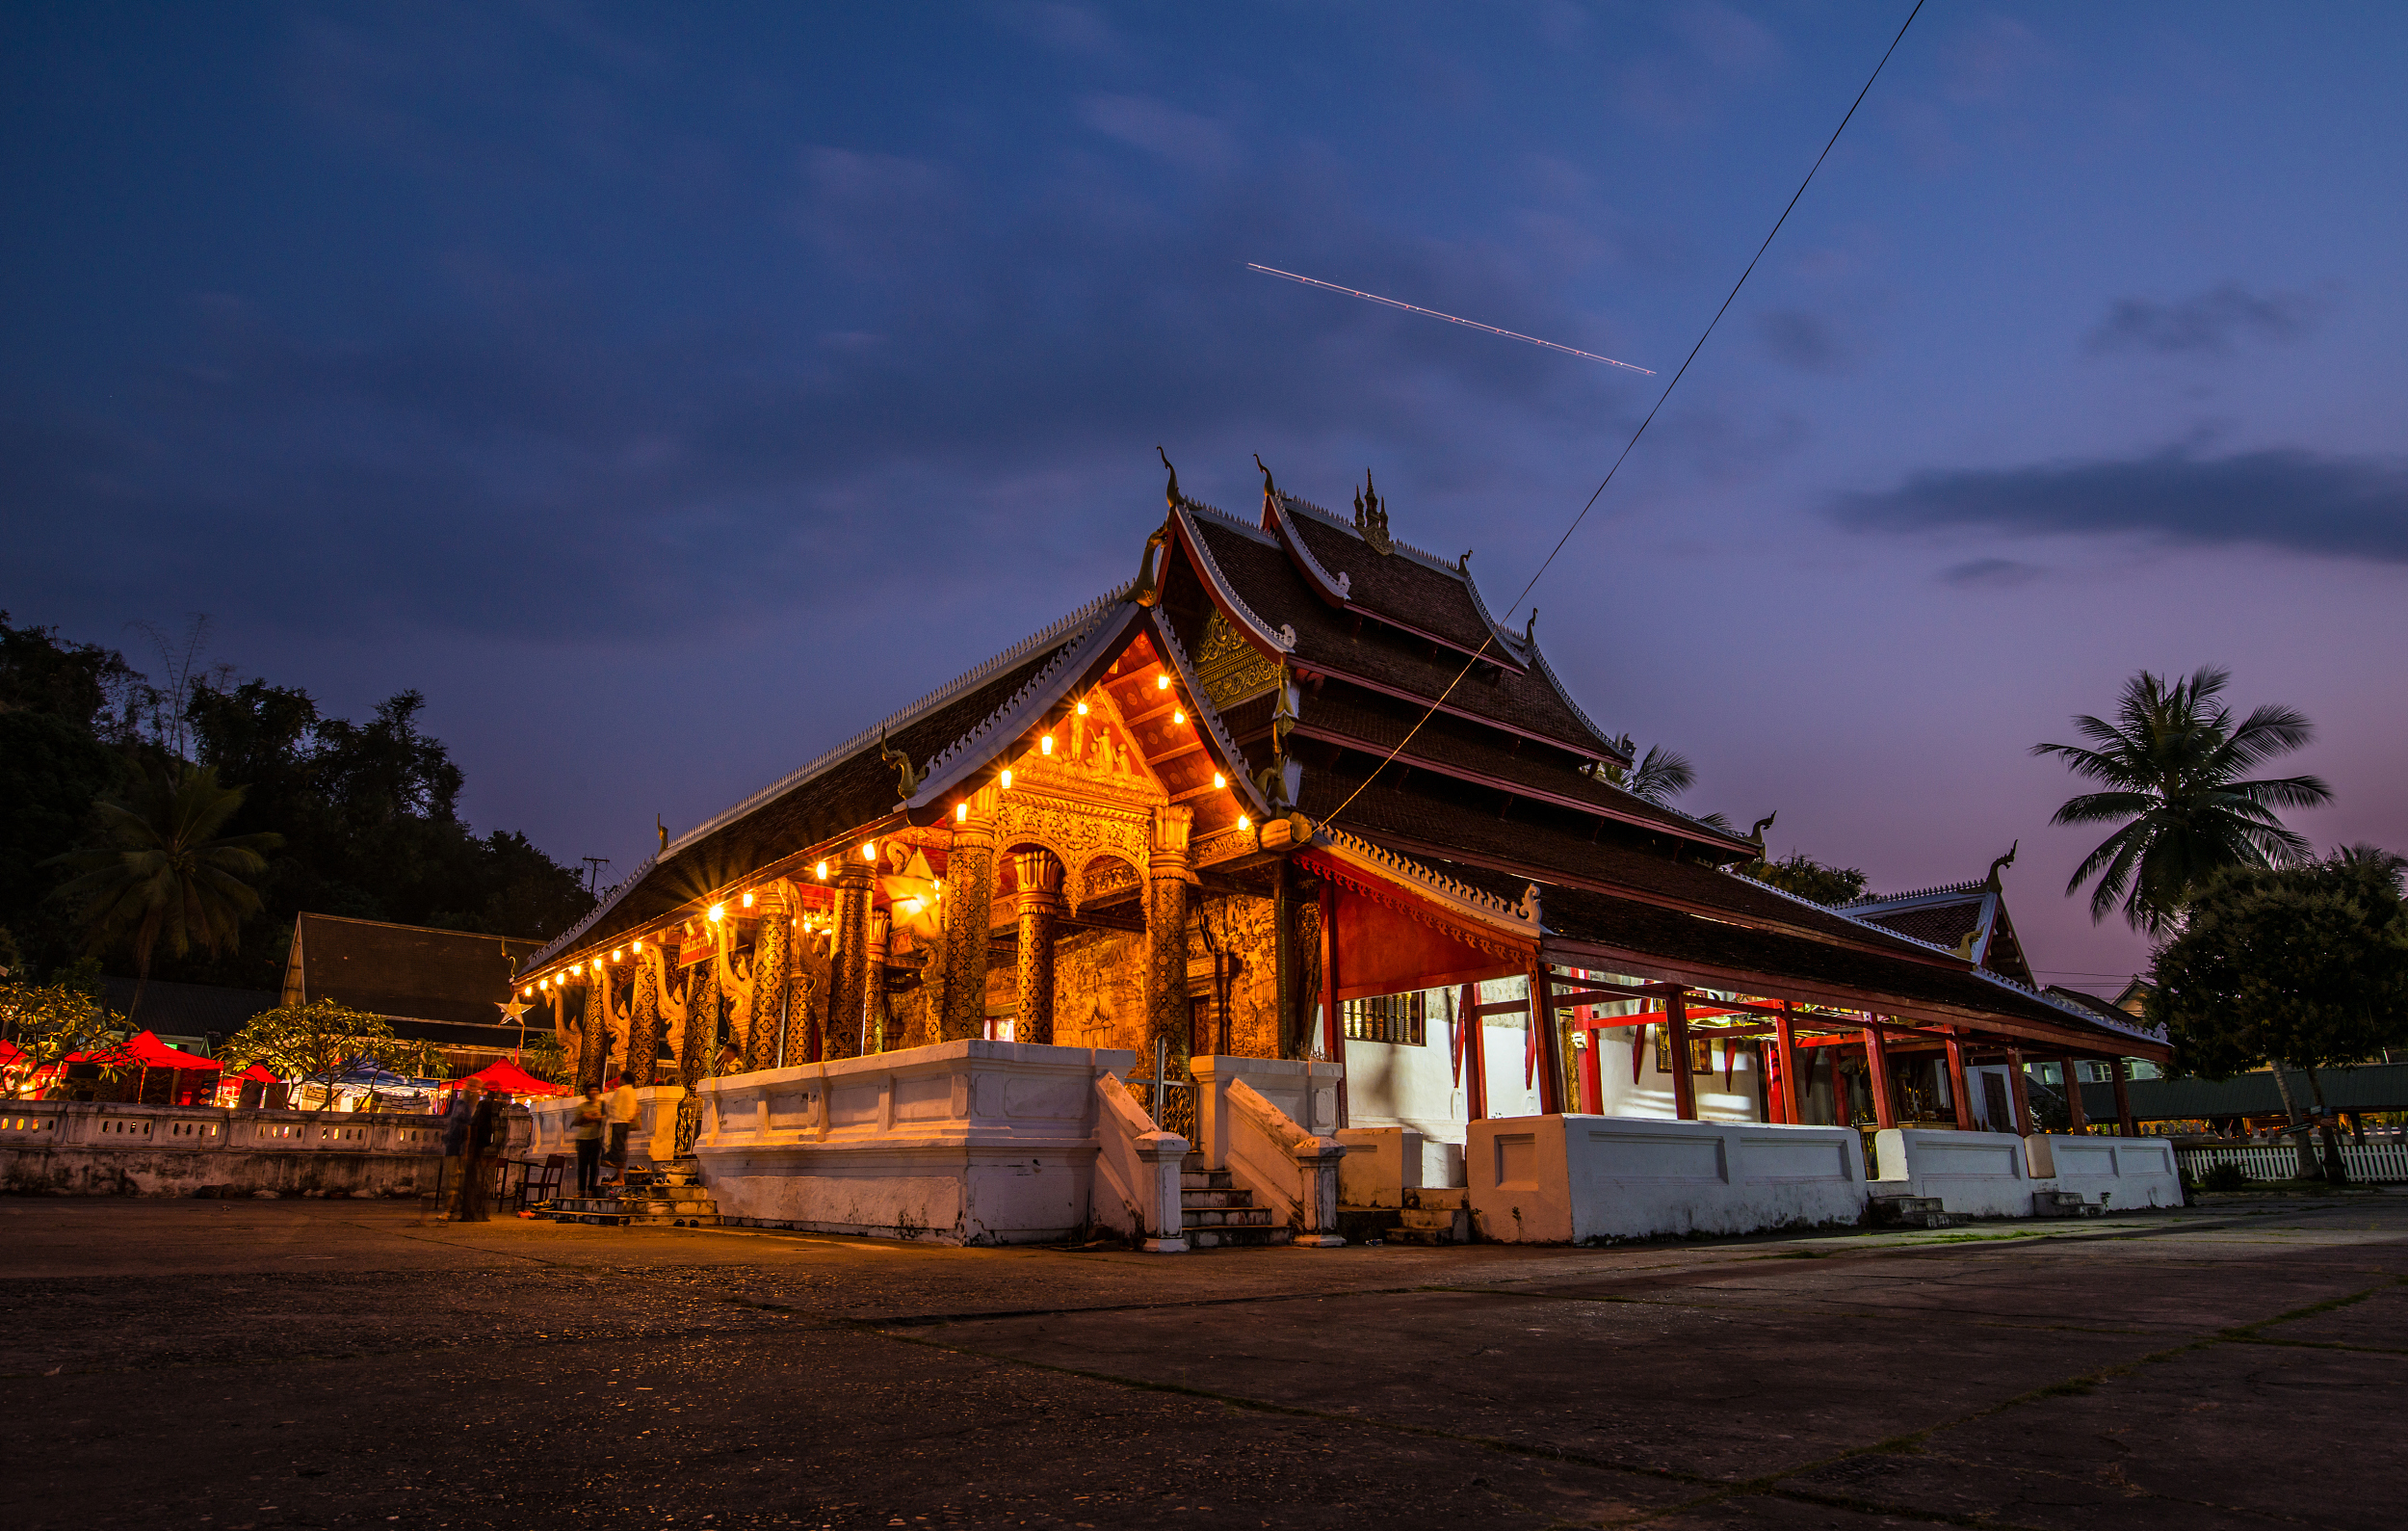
[[847, 994], [701, 1040], [1169, 875], [969, 909], [1040, 907], [773, 968], [643, 1018], [596, 1050]]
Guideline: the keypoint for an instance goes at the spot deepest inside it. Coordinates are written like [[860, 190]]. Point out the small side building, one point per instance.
[[438, 985]]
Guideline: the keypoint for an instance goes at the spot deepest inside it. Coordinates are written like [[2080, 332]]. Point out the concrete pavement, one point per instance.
[[237, 1366]]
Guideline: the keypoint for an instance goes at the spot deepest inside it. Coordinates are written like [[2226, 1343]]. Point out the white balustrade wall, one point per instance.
[[956, 1143], [2373, 1163]]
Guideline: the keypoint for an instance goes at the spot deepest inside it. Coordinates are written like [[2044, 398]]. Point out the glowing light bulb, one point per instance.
[[1083, 709], [1244, 824], [615, 955], [527, 992], [718, 912], [748, 901], [1220, 782], [1178, 715], [1045, 746], [821, 871], [1161, 682], [1007, 779], [869, 849], [911, 906], [961, 814]]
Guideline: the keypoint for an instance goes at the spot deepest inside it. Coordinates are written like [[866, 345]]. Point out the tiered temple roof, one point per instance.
[[1495, 793]]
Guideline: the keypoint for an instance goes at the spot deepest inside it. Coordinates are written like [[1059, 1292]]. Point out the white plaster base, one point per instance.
[[1972, 1174], [1570, 1179], [944, 1193], [2125, 1172]]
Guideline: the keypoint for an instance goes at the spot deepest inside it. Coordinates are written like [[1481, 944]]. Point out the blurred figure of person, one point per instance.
[[457, 1120], [618, 1114], [476, 1167], [587, 1129]]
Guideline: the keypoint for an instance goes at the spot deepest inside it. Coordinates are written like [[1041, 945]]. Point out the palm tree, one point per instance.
[[160, 872], [2169, 762], [1660, 774]]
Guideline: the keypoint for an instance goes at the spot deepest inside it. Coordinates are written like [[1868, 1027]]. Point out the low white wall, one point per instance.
[[70, 1147], [957, 1143], [1137, 1171], [1972, 1174], [656, 1114], [2124, 1171], [1292, 1172], [1381, 1163], [1305, 1093], [1568, 1180]]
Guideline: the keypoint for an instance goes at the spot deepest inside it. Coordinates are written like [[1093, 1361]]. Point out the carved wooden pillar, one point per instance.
[[1877, 1064], [969, 900], [1957, 1095], [1040, 907], [877, 1028], [847, 992], [773, 968], [643, 1019], [699, 1048], [1169, 875], [596, 1048], [2077, 1120]]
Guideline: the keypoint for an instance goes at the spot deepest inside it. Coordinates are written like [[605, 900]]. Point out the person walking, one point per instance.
[[477, 1161], [618, 1114], [457, 1120], [587, 1129]]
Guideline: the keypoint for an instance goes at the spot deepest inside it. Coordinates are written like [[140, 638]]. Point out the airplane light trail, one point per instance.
[[1472, 324]]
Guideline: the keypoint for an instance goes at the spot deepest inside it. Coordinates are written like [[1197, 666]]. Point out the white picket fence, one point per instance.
[[2367, 1162]]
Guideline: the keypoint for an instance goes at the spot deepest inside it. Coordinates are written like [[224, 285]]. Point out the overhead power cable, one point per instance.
[[1624, 454]]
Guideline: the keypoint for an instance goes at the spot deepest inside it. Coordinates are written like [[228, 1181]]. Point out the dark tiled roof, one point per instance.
[[1259, 570], [1941, 924], [186, 1010], [1400, 585], [1382, 723], [2370, 1087], [455, 977], [1606, 892]]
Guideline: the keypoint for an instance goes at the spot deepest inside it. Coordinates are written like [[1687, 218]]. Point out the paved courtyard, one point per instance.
[[238, 1365]]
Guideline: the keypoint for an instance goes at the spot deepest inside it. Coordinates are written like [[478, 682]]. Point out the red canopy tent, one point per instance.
[[144, 1050], [509, 1079], [256, 1073]]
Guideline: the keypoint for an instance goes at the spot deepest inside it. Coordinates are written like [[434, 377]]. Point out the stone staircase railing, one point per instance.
[[1137, 1172], [1289, 1170]]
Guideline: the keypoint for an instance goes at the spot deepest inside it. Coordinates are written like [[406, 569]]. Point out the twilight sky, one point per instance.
[[669, 392]]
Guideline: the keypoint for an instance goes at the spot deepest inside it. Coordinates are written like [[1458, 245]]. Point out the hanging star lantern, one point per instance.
[[512, 1010], [912, 897]]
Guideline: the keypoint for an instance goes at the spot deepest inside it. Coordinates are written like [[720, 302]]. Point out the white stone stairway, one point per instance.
[[1216, 1213]]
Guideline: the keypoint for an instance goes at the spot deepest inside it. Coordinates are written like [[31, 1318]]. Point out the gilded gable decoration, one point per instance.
[[1228, 669], [1370, 517]]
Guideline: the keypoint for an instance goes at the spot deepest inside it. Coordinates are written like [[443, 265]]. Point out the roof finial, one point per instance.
[[1171, 493], [2000, 865], [907, 781], [1371, 516], [1757, 833], [1463, 565], [1529, 629], [660, 824]]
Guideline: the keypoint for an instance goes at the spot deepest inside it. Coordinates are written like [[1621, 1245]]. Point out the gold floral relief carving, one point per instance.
[[1228, 667]]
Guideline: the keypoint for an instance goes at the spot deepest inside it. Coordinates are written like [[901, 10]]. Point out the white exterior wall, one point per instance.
[[2127, 1172], [1652, 1094], [1560, 1179], [957, 1143], [1972, 1174]]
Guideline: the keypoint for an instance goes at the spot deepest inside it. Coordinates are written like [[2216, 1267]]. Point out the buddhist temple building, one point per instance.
[[1294, 793]]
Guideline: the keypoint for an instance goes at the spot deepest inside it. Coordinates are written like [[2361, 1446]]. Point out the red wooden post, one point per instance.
[[1877, 1068], [1683, 1083], [1956, 1085], [2020, 1090], [1475, 1057], [2078, 1120], [2122, 1071], [1592, 1075], [1785, 1042], [1543, 1042]]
